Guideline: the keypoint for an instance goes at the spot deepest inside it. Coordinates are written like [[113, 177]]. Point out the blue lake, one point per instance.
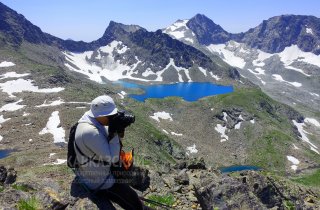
[[189, 91], [4, 153], [239, 168]]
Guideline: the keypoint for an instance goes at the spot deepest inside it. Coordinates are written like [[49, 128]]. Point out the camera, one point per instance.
[[119, 122]]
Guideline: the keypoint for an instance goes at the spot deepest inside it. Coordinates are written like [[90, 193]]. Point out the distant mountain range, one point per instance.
[[281, 55]]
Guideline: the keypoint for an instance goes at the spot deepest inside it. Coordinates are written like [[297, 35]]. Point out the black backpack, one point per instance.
[[71, 155]]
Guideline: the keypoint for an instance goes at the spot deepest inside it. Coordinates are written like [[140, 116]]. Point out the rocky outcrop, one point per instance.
[[276, 33], [7, 176], [253, 190], [191, 184]]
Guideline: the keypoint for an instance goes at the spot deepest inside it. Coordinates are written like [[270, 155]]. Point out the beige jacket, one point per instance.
[[94, 145]]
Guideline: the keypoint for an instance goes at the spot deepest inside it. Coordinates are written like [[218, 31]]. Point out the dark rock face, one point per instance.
[[7, 176], [207, 31], [276, 33], [271, 36], [250, 190], [155, 49]]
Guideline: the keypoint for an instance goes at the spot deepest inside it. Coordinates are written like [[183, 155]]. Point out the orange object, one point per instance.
[[126, 159]]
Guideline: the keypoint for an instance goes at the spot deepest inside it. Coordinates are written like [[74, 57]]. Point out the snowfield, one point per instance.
[[279, 78], [12, 106], [312, 121], [191, 149], [6, 64], [304, 136], [222, 130], [12, 74], [53, 126], [57, 162], [111, 69], [53, 103], [179, 30], [20, 85], [176, 134], [161, 115], [227, 55], [294, 161], [2, 120]]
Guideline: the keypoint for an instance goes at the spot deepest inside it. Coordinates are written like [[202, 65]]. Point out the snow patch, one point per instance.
[[293, 53], [12, 106], [293, 160], [25, 114], [312, 121], [263, 82], [204, 71], [176, 134], [166, 132], [2, 120], [252, 121], [53, 103], [309, 31], [122, 94], [257, 71], [222, 130], [53, 126], [261, 57], [237, 126], [216, 77], [279, 78], [304, 136], [12, 74], [20, 85], [191, 149], [57, 162], [161, 115], [295, 147], [225, 115], [1, 137], [227, 55], [51, 154], [6, 64], [314, 94]]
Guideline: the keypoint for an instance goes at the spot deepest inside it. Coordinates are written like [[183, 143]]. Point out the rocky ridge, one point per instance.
[[190, 184]]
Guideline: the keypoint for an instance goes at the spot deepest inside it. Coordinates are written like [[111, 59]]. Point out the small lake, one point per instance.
[[4, 153], [189, 91], [239, 168]]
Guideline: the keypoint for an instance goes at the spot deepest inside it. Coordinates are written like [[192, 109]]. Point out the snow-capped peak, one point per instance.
[[179, 30]]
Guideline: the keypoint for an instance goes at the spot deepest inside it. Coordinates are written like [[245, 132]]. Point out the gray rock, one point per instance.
[[182, 178]]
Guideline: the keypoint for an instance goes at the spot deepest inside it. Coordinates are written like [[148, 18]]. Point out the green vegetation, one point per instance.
[[165, 199], [288, 205], [22, 187], [29, 204], [1, 188], [268, 151], [309, 180]]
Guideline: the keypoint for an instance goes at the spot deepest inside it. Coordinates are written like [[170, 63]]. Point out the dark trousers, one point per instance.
[[123, 195]]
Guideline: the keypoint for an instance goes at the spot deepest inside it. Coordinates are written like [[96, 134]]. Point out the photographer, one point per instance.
[[97, 149]]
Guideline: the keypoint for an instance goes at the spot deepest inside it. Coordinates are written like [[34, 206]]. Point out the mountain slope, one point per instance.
[[39, 96], [279, 55], [148, 56]]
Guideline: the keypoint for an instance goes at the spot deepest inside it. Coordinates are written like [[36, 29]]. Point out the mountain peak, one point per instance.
[[207, 31], [127, 28]]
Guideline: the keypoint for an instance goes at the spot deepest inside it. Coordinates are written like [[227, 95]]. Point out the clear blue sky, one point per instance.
[[87, 19]]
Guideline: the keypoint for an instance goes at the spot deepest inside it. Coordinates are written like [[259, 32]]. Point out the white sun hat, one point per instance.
[[102, 106]]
